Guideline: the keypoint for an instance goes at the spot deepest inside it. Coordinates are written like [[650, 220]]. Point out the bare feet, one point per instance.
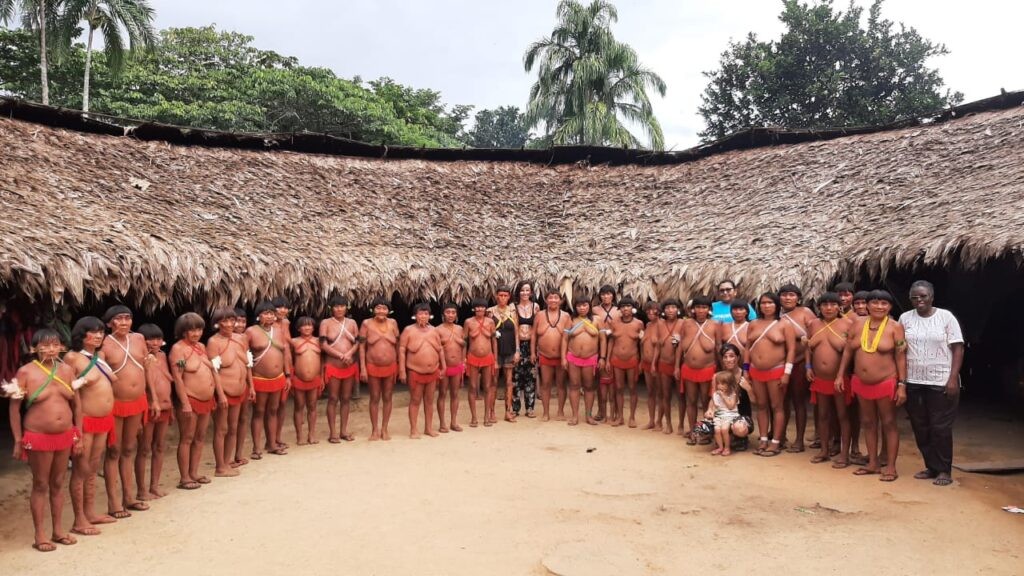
[[104, 519], [510, 418], [314, 440], [591, 420], [301, 442], [716, 451], [658, 427], [88, 530], [473, 423], [226, 473], [374, 436], [456, 427], [545, 418], [432, 433], [560, 417], [487, 423], [414, 435], [650, 426], [385, 435], [632, 422], [668, 429], [726, 452], [616, 423], [573, 421], [443, 430], [236, 463], [155, 492]]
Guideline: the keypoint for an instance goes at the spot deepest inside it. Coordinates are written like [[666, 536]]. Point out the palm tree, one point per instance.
[[35, 15], [588, 82], [109, 17]]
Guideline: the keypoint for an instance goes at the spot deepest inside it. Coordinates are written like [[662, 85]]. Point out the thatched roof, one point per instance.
[[89, 206]]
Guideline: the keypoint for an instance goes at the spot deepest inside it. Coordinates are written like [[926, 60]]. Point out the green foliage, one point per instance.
[[503, 127], [826, 70], [206, 78], [589, 85]]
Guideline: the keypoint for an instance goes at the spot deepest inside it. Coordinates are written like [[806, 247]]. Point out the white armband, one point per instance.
[[12, 390], [77, 383], [789, 368], [248, 358], [216, 361]]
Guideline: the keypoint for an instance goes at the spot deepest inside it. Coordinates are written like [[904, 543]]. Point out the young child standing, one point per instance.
[[724, 409], [154, 433], [307, 381]]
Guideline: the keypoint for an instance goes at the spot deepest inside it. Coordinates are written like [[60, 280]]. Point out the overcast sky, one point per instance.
[[471, 50]]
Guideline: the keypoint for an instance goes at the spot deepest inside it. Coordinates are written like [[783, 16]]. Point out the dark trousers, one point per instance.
[[932, 414]]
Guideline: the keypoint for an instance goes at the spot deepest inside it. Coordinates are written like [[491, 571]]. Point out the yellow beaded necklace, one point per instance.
[[866, 332]]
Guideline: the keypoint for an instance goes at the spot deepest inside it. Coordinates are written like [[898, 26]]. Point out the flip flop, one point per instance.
[[348, 437], [139, 506], [44, 546], [942, 481], [865, 472], [819, 459], [190, 485], [334, 440], [770, 453], [276, 452], [925, 475], [795, 448], [888, 477], [839, 464], [120, 514], [203, 480], [90, 531], [256, 456], [66, 540]]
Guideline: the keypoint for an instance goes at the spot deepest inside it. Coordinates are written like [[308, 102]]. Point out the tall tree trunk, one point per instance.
[[88, 65], [43, 65]]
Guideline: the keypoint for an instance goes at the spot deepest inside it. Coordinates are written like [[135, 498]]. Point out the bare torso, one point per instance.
[[125, 354], [767, 343], [268, 347], [306, 358], [422, 347], [97, 395], [50, 411], [381, 341], [233, 361], [453, 343], [550, 327], [196, 371], [626, 338], [480, 334], [698, 343], [342, 337], [825, 343]]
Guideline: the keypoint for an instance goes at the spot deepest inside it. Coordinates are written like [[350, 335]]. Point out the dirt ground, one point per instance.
[[533, 498]]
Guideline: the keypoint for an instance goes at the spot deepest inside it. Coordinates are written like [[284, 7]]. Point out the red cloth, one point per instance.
[[378, 371], [305, 385], [202, 406], [101, 425], [647, 366], [689, 374], [166, 416], [480, 361], [275, 384], [828, 388], [767, 375], [545, 361], [419, 379], [883, 389], [232, 400], [666, 369], [630, 364], [350, 371], [457, 370], [39, 442], [132, 407]]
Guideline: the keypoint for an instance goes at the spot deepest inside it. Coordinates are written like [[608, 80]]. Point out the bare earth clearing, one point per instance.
[[527, 498]]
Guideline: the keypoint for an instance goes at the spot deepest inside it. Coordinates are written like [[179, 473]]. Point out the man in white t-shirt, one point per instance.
[[935, 353]]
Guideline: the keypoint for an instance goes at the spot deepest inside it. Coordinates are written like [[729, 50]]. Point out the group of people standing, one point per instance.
[[112, 394]]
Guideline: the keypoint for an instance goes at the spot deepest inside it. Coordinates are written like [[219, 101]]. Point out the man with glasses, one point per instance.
[[720, 309]]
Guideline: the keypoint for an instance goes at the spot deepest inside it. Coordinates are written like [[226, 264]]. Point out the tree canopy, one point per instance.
[[826, 70], [503, 127], [209, 78], [590, 86]]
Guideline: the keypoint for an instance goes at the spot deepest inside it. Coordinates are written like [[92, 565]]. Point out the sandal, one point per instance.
[[819, 459], [865, 472], [277, 452], [139, 506], [65, 540], [334, 440], [87, 531], [348, 437], [943, 481], [120, 514], [256, 456], [840, 464], [887, 477], [796, 448], [203, 480], [44, 546], [926, 475], [189, 485]]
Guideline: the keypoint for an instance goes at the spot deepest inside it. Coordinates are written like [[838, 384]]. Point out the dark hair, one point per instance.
[[861, 295], [519, 288], [338, 301], [421, 307], [737, 303], [221, 314], [701, 300], [85, 325], [115, 311], [627, 302], [791, 288], [828, 297], [606, 289], [652, 304], [774, 298], [924, 284], [727, 347], [186, 322], [726, 281], [265, 306], [448, 305], [305, 321], [844, 287], [504, 288], [671, 302], [151, 332], [583, 300], [551, 291], [881, 295], [478, 303], [46, 335], [239, 312], [280, 302], [380, 301]]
